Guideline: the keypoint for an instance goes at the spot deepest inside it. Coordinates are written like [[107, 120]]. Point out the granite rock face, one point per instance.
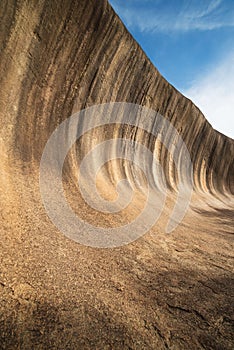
[[159, 292]]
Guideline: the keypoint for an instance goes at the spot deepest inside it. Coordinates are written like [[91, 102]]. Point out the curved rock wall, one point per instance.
[[58, 58], [159, 292]]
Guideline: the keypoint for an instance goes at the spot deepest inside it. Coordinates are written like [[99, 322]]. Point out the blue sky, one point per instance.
[[191, 42]]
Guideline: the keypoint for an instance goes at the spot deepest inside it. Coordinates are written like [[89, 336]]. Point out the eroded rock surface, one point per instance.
[[159, 292]]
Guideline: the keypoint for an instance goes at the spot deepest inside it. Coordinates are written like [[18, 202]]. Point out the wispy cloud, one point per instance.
[[163, 16], [214, 95]]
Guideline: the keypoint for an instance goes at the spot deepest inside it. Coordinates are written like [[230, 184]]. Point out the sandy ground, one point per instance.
[[162, 291]]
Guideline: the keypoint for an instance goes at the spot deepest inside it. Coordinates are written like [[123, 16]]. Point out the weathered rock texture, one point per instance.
[[160, 292]]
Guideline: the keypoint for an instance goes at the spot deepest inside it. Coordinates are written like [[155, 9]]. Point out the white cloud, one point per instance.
[[196, 10], [194, 15], [213, 92], [214, 95]]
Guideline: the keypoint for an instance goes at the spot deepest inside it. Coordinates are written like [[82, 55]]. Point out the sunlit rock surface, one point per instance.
[[161, 291]]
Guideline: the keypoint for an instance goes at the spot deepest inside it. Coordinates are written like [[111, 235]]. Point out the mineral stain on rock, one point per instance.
[[159, 292]]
